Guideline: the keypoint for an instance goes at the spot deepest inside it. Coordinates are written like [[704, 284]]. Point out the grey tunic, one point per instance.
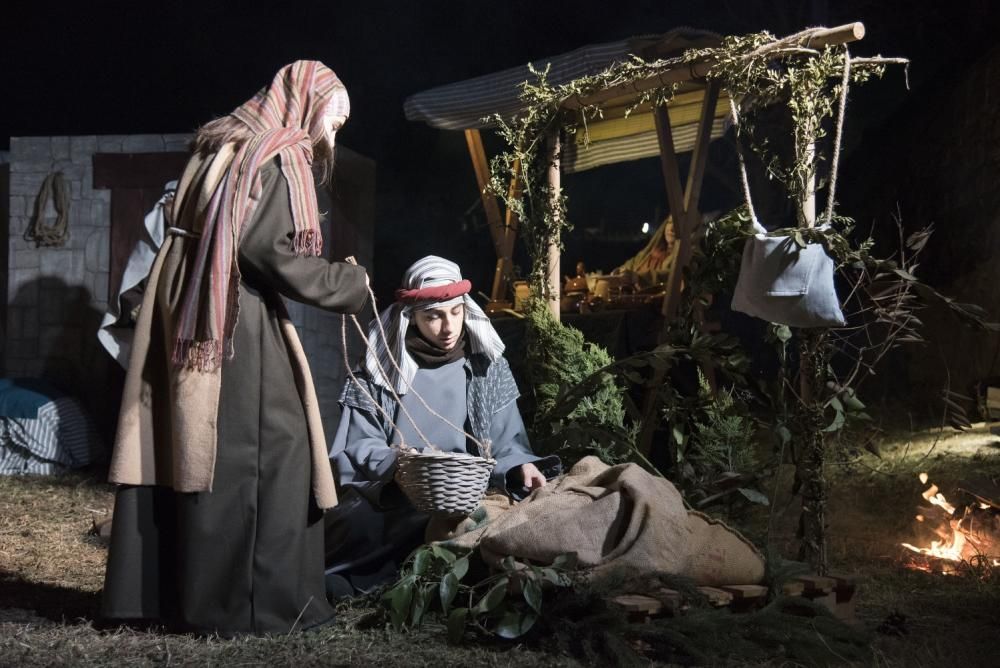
[[374, 528], [248, 556], [471, 393]]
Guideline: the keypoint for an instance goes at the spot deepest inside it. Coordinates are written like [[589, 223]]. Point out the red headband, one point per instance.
[[438, 293]]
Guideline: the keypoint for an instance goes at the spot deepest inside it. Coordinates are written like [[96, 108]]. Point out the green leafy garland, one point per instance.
[[542, 213], [761, 70]]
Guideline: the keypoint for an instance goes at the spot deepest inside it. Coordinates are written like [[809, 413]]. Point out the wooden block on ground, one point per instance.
[[745, 592], [672, 600], [717, 597], [816, 585], [845, 587], [846, 598], [638, 603], [793, 588], [746, 597]]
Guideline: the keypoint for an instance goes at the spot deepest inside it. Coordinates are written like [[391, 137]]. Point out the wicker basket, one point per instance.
[[444, 483]]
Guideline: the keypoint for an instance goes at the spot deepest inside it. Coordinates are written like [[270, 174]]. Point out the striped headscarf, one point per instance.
[[286, 118], [429, 283]]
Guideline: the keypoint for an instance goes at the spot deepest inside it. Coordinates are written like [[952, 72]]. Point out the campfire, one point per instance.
[[968, 532]]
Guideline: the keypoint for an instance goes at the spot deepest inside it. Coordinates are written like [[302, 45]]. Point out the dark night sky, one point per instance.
[[136, 67]]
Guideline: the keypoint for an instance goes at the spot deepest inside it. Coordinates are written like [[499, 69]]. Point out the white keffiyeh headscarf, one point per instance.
[[429, 283]]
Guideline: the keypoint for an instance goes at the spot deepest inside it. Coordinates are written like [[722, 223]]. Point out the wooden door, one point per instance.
[[136, 183]]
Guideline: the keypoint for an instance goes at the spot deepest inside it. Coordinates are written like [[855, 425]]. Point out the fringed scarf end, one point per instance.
[[307, 242], [203, 356]]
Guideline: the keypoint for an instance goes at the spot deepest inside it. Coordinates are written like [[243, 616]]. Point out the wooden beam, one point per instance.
[[511, 223], [552, 276], [482, 168], [684, 210], [850, 32], [504, 273], [675, 197], [699, 155], [668, 161]]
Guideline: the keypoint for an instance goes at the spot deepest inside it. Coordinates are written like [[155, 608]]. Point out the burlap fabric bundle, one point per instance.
[[613, 517]]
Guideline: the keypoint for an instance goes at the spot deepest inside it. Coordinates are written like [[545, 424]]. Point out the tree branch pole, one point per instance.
[[812, 382], [812, 460], [552, 275]]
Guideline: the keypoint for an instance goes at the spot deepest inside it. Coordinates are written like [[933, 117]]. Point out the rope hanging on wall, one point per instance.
[[56, 189]]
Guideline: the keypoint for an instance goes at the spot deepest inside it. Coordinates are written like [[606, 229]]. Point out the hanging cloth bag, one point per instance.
[[785, 283], [781, 281]]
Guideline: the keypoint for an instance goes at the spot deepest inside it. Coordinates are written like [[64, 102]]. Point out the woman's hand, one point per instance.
[[533, 478]]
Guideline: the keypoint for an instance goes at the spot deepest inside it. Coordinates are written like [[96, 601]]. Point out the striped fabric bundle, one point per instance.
[[429, 272], [60, 437], [287, 120]]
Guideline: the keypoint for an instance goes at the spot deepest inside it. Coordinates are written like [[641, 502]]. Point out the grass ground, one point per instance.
[[51, 573]]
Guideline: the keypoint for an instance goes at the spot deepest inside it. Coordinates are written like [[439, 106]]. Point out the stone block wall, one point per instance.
[[57, 295]]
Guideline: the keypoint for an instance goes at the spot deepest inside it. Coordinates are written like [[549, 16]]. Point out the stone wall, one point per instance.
[[57, 296]]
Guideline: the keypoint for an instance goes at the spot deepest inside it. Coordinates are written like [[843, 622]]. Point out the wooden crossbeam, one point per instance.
[[850, 32]]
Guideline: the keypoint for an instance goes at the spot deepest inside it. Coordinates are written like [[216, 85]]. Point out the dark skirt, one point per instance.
[[248, 556], [366, 545]]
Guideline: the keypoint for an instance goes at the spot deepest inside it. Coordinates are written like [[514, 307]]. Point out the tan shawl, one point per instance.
[[167, 429]]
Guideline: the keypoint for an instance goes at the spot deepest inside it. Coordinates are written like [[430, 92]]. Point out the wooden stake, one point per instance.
[[505, 268], [552, 277], [482, 168]]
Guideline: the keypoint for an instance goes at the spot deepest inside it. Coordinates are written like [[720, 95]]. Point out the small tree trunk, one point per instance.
[[812, 380]]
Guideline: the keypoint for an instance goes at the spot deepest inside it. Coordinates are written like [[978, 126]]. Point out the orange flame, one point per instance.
[[955, 545]]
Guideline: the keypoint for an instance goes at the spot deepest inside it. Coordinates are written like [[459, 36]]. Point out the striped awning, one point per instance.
[[614, 138]]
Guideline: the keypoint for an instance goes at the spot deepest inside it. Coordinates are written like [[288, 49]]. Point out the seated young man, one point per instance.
[[450, 360]]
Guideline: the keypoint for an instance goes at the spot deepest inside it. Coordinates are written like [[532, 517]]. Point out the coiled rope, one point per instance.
[[56, 189]]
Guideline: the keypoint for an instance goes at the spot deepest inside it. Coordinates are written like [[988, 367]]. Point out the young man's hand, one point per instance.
[[533, 478]]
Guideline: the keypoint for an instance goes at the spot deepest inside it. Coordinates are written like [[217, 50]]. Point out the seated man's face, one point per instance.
[[442, 325]]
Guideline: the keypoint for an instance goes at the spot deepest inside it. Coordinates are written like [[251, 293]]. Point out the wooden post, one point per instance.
[[807, 205], [684, 209], [552, 274], [505, 269], [482, 168], [511, 223]]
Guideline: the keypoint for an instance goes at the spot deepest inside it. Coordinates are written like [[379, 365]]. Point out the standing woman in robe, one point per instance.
[[451, 358], [220, 452]]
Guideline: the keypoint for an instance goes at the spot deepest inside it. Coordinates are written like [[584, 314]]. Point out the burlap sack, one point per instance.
[[719, 555], [614, 517]]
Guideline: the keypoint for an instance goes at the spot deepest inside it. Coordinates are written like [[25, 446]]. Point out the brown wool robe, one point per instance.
[[247, 556]]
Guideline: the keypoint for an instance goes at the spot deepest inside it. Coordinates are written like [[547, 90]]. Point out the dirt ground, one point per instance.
[[51, 573]]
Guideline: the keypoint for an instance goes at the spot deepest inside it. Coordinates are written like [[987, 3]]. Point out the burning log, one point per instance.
[[969, 532]]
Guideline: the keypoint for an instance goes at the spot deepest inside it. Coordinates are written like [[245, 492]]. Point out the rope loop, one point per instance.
[[54, 188]]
